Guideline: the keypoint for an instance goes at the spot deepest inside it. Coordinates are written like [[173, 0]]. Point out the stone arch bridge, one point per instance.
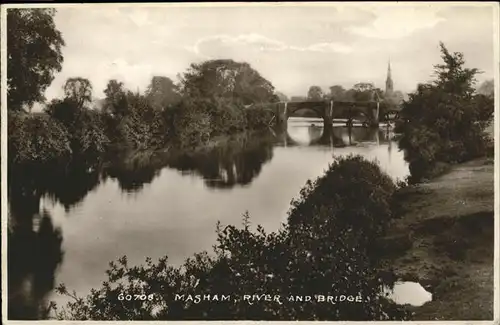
[[369, 113]]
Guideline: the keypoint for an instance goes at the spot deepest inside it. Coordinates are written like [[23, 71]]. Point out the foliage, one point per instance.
[[193, 128], [336, 92], [85, 128], [226, 79], [162, 92], [395, 98], [33, 55], [88, 138], [309, 258], [360, 92], [36, 139], [258, 117], [66, 111], [282, 97], [115, 101], [366, 92], [338, 192], [216, 98], [142, 126], [315, 93], [79, 90], [444, 121]]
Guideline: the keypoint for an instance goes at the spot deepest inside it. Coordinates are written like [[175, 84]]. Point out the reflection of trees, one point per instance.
[[67, 184], [236, 163], [133, 171], [361, 134], [33, 256], [34, 244], [73, 184]]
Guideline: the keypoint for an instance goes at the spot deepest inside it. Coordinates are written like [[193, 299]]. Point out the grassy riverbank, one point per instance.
[[444, 239]]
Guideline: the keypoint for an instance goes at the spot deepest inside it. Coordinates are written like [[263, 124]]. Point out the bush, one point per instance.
[[86, 128], [136, 124], [88, 137], [36, 139], [353, 195], [258, 117], [193, 129]]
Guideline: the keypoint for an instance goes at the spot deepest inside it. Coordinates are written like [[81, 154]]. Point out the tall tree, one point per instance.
[[444, 121], [227, 79], [115, 97], [33, 55], [162, 92], [452, 76], [315, 93], [78, 90]]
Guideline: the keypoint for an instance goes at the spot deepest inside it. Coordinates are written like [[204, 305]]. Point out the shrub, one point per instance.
[[193, 129], [36, 139], [258, 117], [245, 262], [227, 118], [85, 127], [65, 111], [352, 195]]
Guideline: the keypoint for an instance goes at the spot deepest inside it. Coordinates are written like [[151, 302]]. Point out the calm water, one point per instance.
[[153, 207]]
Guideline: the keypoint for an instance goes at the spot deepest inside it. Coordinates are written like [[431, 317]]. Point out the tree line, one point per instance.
[[360, 92], [212, 98]]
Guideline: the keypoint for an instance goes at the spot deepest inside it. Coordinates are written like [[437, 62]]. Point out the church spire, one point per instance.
[[389, 85]]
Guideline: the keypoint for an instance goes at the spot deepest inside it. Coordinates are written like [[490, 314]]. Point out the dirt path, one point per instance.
[[444, 240]]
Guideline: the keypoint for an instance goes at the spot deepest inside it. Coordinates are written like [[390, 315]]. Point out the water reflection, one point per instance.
[[236, 163], [132, 171], [336, 136], [411, 293], [66, 184], [264, 172], [34, 253]]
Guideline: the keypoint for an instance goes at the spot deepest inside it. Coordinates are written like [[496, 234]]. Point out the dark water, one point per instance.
[[68, 227]]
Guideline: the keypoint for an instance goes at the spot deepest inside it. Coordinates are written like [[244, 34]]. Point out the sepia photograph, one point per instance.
[[329, 161]]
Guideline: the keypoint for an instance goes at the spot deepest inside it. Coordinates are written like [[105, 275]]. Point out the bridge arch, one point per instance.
[[368, 112], [318, 111], [322, 109]]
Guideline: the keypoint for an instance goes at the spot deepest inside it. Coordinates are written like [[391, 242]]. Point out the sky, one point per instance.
[[292, 46]]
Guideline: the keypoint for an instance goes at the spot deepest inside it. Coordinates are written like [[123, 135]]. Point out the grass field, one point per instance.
[[446, 235]]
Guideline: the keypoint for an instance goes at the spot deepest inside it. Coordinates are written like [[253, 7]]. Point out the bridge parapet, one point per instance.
[[368, 111]]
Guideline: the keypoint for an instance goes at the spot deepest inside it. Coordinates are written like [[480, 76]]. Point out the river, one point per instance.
[[138, 208]]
